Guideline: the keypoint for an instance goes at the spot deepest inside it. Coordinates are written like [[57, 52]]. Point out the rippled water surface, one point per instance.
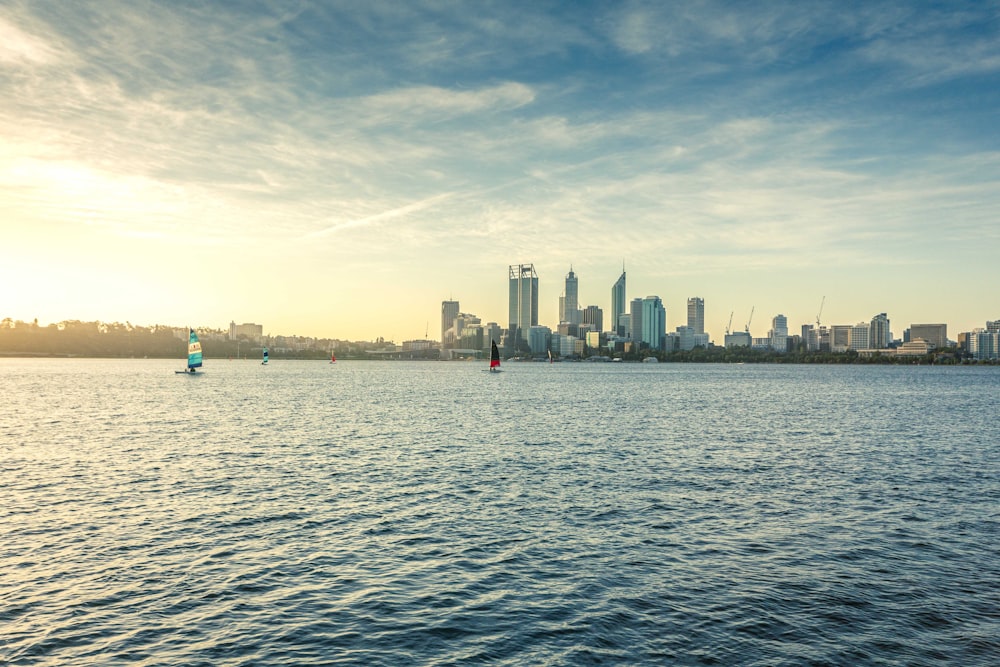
[[402, 513]]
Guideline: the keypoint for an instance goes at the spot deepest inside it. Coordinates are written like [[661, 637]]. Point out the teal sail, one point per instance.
[[194, 351], [265, 357]]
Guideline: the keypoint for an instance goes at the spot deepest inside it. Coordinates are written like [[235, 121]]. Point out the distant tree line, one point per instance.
[[89, 339], [948, 356], [73, 338]]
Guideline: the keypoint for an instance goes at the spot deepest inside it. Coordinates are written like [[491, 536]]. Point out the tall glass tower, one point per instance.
[[618, 302], [523, 309], [654, 322]]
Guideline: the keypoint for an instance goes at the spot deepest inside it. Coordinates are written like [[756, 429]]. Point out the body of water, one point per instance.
[[407, 513]]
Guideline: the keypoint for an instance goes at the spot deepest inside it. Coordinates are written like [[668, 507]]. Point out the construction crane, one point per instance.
[[747, 327], [730, 321], [823, 301]]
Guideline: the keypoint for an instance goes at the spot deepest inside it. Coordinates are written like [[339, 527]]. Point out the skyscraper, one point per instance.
[[523, 309], [696, 314], [636, 308], [570, 303], [618, 302], [879, 335], [449, 311], [779, 333], [654, 322], [594, 316]]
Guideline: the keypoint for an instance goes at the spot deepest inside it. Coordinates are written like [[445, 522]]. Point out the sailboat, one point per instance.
[[264, 363], [494, 357], [194, 353], [333, 358]]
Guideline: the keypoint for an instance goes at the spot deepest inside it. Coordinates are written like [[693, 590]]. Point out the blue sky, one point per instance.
[[340, 168]]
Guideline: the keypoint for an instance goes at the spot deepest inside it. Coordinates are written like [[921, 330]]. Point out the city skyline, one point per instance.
[[338, 169]]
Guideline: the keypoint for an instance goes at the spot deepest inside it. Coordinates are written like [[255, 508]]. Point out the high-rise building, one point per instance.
[[654, 322], [523, 311], [879, 336], [840, 337], [594, 316], [859, 336], [984, 344], [449, 311], [618, 302], [779, 333], [636, 311], [937, 334], [807, 337], [696, 314], [569, 305], [539, 339]]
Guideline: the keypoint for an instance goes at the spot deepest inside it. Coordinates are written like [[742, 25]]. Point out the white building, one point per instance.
[[248, 330], [859, 336], [984, 344], [779, 333]]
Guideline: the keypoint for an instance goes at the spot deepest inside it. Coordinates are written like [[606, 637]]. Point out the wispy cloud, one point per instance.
[[20, 47], [401, 211]]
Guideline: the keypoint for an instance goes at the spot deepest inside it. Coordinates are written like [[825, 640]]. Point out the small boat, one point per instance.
[[333, 358], [494, 357], [264, 363], [194, 354]]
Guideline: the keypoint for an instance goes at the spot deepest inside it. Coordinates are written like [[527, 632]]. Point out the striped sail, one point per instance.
[[194, 350], [265, 356]]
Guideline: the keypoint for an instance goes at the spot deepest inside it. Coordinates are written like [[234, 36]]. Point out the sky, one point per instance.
[[337, 169]]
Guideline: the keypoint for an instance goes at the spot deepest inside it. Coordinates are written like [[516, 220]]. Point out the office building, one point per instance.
[[935, 334], [654, 322], [840, 337], [635, 331], [523, 309], [449, 311], [594, 317], [696, 314], [738, 339], [247, 330], [539, 339], [624, 325], [859, 336], [879, 335], [779, 333], [569, 303], [618, 303], [984, 344]]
